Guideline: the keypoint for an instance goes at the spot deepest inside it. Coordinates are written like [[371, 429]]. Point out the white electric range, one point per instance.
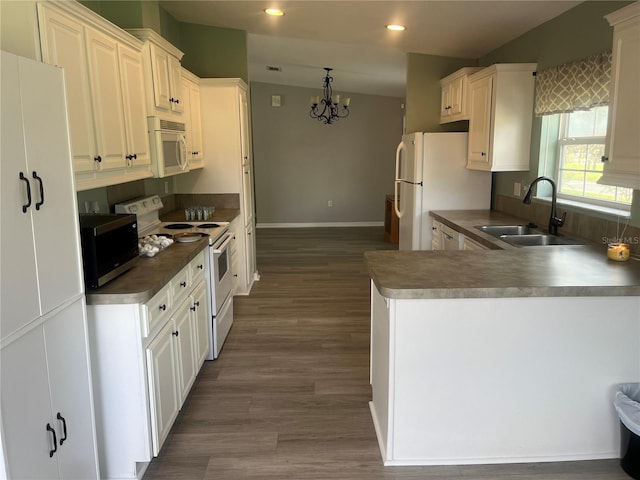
[[219, 279]]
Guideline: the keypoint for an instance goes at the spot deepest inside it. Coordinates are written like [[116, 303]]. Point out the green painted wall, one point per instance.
[[578, 33], [214, 52], [208, 51], [169, 28], [423, 92]]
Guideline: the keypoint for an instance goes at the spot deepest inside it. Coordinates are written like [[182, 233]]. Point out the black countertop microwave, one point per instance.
[[109, 246]]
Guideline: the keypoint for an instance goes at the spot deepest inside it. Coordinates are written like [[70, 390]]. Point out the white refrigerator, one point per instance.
[[431, 174]]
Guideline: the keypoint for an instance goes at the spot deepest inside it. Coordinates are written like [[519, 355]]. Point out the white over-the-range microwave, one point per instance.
[[168, 147]]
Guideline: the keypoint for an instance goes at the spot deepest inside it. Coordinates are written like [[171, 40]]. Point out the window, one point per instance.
[[581, 142]]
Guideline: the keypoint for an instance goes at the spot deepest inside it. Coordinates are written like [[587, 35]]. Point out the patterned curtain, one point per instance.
[[578, 85]]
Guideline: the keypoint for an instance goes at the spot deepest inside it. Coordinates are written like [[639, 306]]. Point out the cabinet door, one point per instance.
[[26, 409], [197, 152], [160, 73], [55, 221], [623, 149], [175, 85], [135, 112], [445, 92], [19, 302], [187, 343], [162, 356], [455, 96], [480, 124], [247, 193], [244, 127], [202, 321], [251, 252], [63, 44], [68, 366], [107, 99]]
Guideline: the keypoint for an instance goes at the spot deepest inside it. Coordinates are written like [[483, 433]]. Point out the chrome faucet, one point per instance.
[[554, 221]]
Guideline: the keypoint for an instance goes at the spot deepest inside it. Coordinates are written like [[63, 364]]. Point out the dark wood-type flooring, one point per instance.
[[288, 397]]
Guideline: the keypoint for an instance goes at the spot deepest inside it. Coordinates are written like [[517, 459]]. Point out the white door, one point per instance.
[[107, 97], [70, 385], [186, 340], [26, 409], [202, 322], [135, 110], [163, 384], [481, 92], [175, 85], [49, 159], [160, 67], [19, 301], [409, 190], [63, 44]]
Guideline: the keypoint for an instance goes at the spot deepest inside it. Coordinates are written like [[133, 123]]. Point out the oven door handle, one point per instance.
[[223, 245]]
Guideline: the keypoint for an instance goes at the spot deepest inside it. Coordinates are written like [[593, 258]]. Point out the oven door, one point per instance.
[[221, 271]]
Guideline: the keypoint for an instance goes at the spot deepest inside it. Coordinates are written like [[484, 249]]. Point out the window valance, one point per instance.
[[578, 85]]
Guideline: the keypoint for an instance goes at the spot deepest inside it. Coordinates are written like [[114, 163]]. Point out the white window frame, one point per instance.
[[564, 140]]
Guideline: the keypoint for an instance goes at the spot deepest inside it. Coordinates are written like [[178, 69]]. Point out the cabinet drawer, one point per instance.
[[181, 285], [156, 311], [198, 267]]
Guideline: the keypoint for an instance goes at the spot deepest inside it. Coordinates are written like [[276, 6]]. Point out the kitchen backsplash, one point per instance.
[[595, 229], [180, 201]]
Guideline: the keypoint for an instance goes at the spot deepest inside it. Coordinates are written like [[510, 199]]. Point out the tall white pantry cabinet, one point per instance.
[[47, 420], [226, 132]]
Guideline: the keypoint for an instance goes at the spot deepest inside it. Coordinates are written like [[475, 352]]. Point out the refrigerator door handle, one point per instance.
[[396, 202], [398, 150], [397, 182]]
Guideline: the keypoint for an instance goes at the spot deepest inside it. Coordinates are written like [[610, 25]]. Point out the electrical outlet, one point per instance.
[[517, 186], [329, 203]]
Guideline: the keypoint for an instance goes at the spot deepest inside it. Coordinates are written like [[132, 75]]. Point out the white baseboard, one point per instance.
[[315, 225]]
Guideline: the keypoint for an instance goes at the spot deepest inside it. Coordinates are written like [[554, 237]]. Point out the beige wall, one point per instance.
[[300, 163]]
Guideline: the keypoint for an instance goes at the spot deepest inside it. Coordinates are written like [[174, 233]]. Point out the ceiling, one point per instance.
[[350, 37]]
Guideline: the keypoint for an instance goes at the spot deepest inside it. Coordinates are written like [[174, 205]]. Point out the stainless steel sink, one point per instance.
[[499, 230], [538, 240]]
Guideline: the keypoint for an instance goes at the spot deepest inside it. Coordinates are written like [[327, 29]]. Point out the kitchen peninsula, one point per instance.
[[500, 356]]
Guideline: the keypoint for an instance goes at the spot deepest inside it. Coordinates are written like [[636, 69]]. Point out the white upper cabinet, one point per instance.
[[501, 115], [104, 75], [455, 93], [622, 156], [163, 75], [105, 81], [63, 44], [135, 112], [192, 119]]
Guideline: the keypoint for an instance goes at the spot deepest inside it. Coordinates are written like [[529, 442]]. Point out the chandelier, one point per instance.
[[332, 111]]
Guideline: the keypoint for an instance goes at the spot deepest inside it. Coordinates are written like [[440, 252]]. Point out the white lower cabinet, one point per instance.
[[162, 357], [145, 360], [200, 319], [469, 244], [436, 236], [47, 414]]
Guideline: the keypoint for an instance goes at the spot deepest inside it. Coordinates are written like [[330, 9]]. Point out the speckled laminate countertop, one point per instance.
[[559, 271], [148, 275]]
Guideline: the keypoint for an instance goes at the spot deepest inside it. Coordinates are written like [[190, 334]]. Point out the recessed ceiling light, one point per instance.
[[396, 28], [275, 12]]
